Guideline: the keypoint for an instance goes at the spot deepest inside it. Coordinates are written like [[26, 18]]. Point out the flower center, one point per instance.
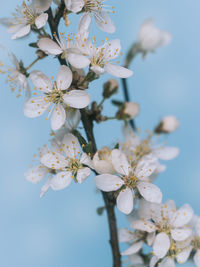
[[74, 166], [24, 14], [55, 96], [142, 149], [93, 5], [196, 242], [98, 59], [131, 181]]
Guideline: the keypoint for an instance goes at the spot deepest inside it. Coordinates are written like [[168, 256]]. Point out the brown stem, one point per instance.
[[88, 127]]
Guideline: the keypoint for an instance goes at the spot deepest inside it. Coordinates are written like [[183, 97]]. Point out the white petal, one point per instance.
[[118, 71], [98, 70], [41, 81], [73, 117], [133, 249], [22, 32], [54, 160], [49, 46], [182, 216], [143, 225], [36, 174], [161, 245], [70, 145], [35, 107], [83, 174], [145, 167], [120, 162], [104, 22], [86, 160], [58, 117], [184, 255], [108, 182], [74, 5], [136, 260], [64, 78], [41, 5], [41, 20], [197, 258], [166, 153], [181, 234], [151, 238], [112, 49], [125, 235], [61, 180], [125, 201], [153, 261], [78, 61], [84, 24], [45, 187], [167, 262], [150, 192], [77, 99]]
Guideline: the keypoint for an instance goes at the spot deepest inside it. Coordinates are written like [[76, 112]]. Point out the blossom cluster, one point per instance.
[[127, 170]]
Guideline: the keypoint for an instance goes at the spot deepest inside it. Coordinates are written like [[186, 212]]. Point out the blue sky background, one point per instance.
[[62, 229]]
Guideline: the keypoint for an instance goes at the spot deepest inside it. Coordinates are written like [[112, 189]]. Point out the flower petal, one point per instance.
[[161, 245], [58, 117], [182, 216], [36, 174], [70, 145], [35, 107], [143, 225], [61, 180], [64, 78], [166, 153], [197, 258], [45, 187], [104, 22], [181, 234], [167, 262], [118, 71], [83, 174], [41, 20], [54, 160], [145, 167], [21, 32], [150, 192], [77, 99], [49, 46], [108, 182], [120, 162], [125, 235], [125, 201], [41, 81], [133, 249], [184, 255], [74, 5], [86, 160], [78, 61]]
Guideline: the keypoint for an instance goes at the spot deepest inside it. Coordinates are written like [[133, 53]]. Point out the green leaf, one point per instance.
[[100, 210], [33, 45]]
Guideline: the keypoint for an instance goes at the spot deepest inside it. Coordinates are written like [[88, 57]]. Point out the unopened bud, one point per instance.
[[110, 88], [102, 161], [128, 111], [167, 125], [40, 54]]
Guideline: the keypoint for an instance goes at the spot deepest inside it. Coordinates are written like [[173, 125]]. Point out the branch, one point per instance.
[[127, 99], [88, 127]]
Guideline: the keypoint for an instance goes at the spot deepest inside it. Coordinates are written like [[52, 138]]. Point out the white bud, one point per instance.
[[151, 37], [131, 109], [102, 161], [169, 124]]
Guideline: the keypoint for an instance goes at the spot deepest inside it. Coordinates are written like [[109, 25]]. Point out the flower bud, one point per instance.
[[102, 161], [167, 125], [151, 38], [110, 88], [40, 54], [128, 111]]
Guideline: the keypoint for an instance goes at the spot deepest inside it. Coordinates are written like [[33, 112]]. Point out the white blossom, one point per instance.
[[131, 109], [69, 163], [58, 94], [129, 179], [102, 161], [167, 222], [151, 38], [101, 56], [26, 16], [169, 124], [97, 8]]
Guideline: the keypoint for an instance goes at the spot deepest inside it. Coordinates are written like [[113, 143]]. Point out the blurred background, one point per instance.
[[63, 229]]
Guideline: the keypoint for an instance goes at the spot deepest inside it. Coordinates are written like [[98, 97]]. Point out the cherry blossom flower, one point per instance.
[[165, 222], [151, 38], [26, 16], [100, 57], [97, 8], [58, 94], [69, 163], [102, 161], [16, 77], [129, 179]]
